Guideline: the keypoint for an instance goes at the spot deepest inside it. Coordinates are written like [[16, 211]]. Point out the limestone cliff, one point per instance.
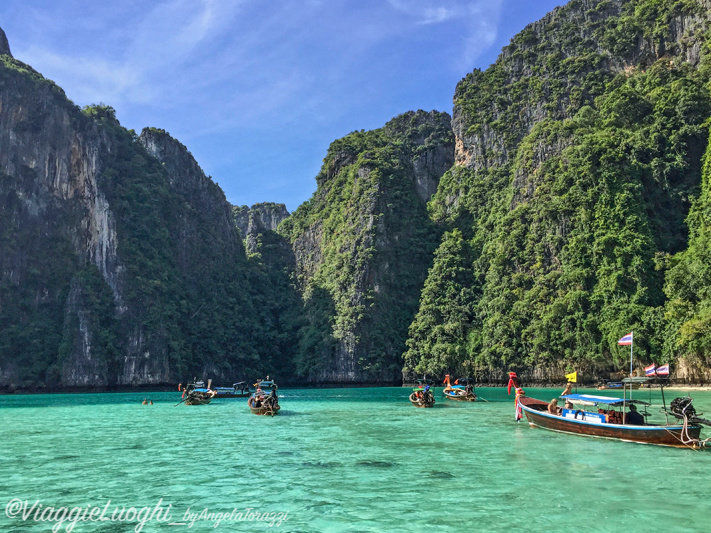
[[571, 186], [4, 45], [254, 221], [118, 257], [363, 243]]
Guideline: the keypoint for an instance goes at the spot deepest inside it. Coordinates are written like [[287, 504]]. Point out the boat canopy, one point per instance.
[[589, 399]]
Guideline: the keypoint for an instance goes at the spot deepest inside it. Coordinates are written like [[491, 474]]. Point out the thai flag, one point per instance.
[[626, 340], [649, 370], [663, 370]]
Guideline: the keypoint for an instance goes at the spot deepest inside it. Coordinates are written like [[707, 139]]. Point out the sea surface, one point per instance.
[[333, 460]]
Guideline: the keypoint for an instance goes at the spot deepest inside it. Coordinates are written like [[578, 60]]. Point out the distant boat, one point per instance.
[[462, 390], [238, 390], [616, 385], [196, 393], [595, 416], [261, 403], [423, 393]]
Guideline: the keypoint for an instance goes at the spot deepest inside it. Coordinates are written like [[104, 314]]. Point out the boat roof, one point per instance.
[[465, 380], [590, 399]]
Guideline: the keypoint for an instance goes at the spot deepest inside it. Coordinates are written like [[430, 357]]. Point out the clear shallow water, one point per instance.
[[342, 460]]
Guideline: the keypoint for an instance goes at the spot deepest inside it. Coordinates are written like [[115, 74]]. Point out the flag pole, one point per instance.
[[631, 359]]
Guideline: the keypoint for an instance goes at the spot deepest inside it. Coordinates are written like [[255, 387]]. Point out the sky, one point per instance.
[[258, 89]]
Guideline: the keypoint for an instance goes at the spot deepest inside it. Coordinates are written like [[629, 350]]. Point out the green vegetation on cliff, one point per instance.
[[577, 208], [363, 243], [582, 153], [688, 282], [128, 280]]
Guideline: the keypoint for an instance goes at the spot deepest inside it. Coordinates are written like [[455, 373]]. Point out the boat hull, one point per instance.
[[458, 396], [198, 399], [659, 435]]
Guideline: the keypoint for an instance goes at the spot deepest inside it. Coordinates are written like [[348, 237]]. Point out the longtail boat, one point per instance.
[[423, 393], [264, 404], [196, 393], [595, 416], [462, 390], [616, 385], [238, 390]]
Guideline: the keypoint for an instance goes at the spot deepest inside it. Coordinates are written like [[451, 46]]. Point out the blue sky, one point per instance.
[[258, 89]]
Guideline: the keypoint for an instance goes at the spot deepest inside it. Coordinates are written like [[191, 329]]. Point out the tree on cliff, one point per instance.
[[438, 336]]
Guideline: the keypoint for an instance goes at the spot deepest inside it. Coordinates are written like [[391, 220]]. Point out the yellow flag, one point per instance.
[[573, 377]]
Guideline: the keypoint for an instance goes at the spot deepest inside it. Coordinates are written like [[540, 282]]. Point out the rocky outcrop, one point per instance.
[[120, 254], [82, 366], [4, 45], [363, 244], [555, 66], [208, 207], [255, 220], [526, 138], [692, 371], [50, 158]]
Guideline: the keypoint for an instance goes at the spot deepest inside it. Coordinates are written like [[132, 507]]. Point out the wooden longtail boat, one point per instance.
[[264, 404], [462, 390], [196, 393], [423, 393], [607, 423], [238, 390]]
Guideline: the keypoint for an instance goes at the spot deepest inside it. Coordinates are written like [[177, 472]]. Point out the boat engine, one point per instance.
[[683, 408]]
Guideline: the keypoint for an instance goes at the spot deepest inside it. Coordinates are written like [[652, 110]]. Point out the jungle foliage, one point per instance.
[[575, 216]]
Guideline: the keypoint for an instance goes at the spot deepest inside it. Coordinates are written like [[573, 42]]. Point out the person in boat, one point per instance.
[[427, 394], [469, 389], [568, 404], [568, 389], [553, 407], [633, 418]]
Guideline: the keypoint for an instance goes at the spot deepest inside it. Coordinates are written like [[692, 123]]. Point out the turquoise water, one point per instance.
[[339, 460]]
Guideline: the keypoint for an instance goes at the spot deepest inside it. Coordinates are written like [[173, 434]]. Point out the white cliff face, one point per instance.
[[83, 367], [99, 224], [65, 165], [53, 160]]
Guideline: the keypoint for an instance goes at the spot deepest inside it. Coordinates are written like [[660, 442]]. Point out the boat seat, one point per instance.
[[615, 417]]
